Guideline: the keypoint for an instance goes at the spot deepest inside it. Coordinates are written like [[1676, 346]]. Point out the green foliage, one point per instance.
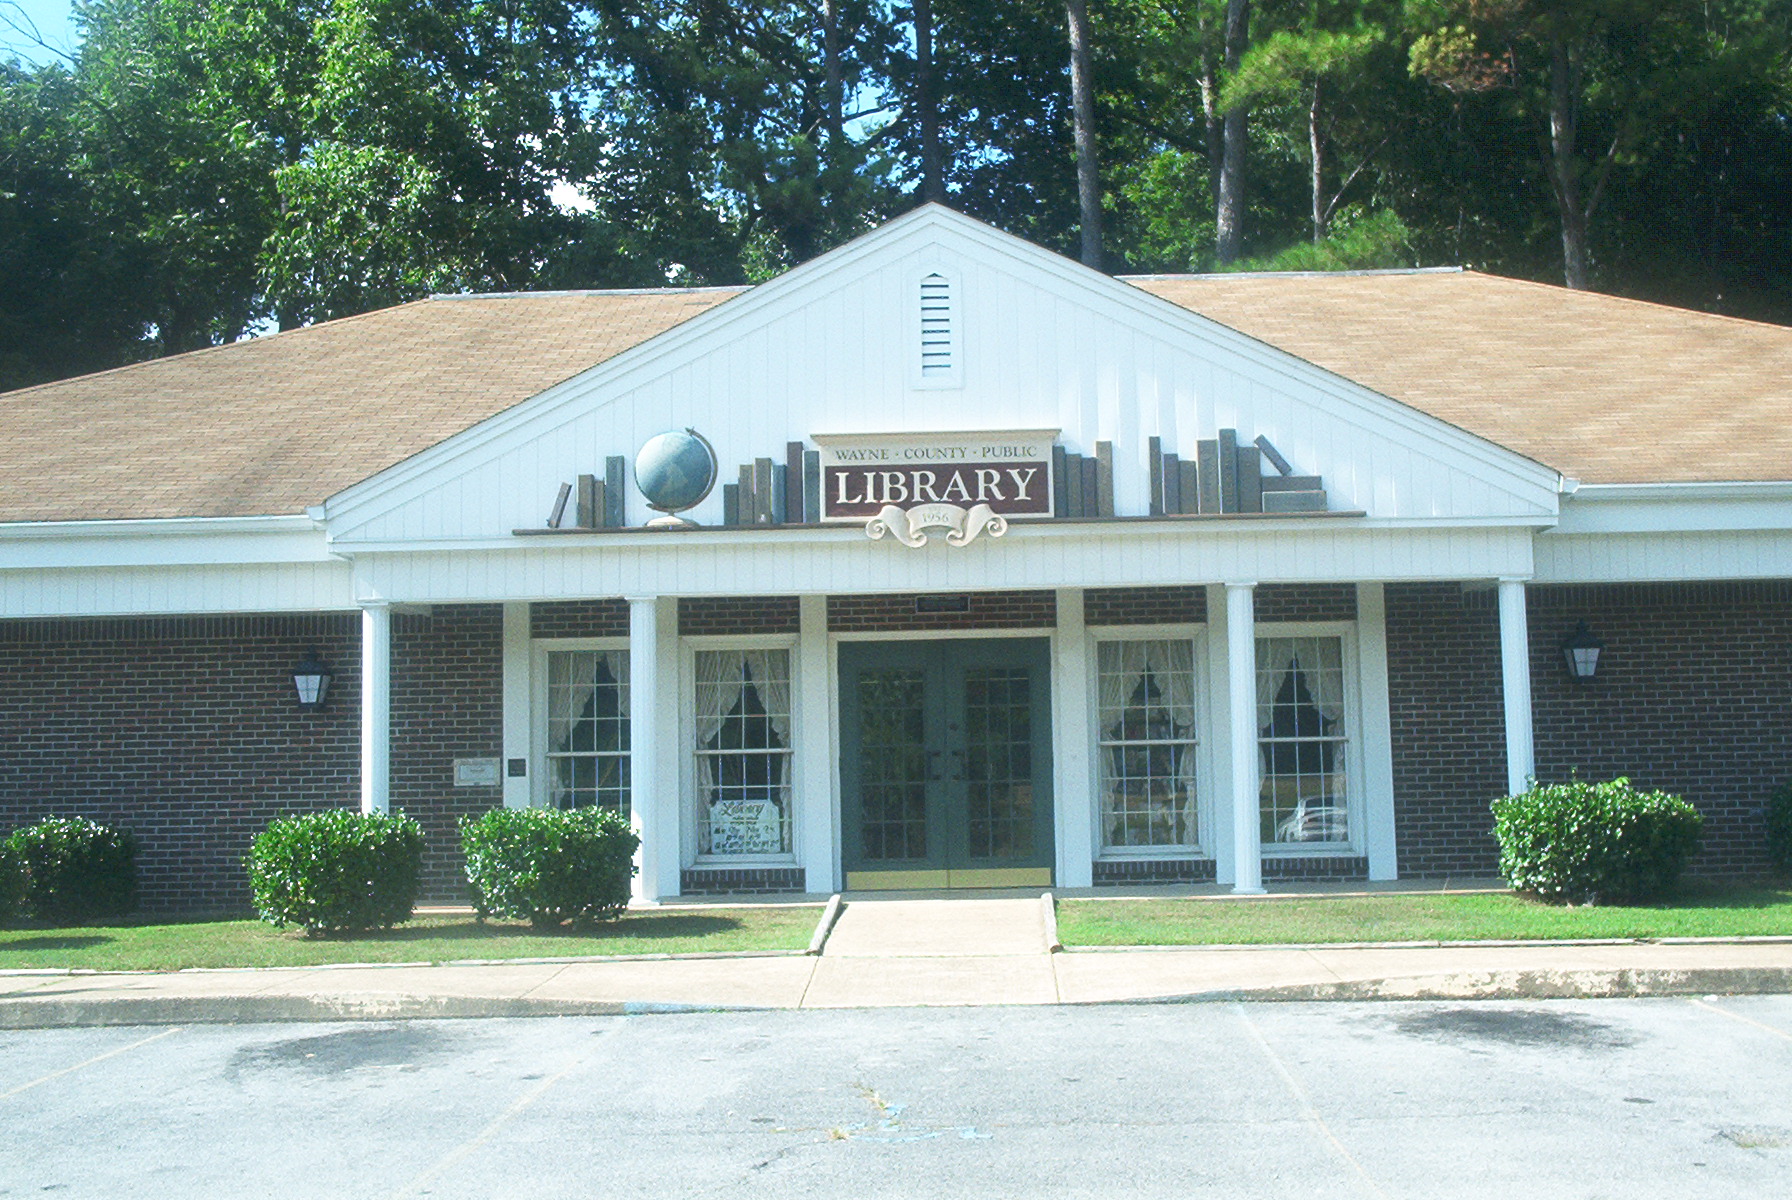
[[77, 869], [14, 883], [549, 865], [1377, 240], [1585, 842], [1779, 828], [336, 871]]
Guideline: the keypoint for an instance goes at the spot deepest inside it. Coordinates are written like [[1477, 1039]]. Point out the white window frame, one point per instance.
[[687, 753], [1355, 800], [1206, 783], [539, 649]]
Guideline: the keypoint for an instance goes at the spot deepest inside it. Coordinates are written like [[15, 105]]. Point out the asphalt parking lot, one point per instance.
[[1604, 1098]]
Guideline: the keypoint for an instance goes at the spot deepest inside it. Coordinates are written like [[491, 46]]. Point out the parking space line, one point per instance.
[[461, 1152], [25, 1087], [1306, 1104], [1724, 1012]]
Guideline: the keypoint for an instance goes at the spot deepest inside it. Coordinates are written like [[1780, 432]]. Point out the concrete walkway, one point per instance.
[[904, 952]]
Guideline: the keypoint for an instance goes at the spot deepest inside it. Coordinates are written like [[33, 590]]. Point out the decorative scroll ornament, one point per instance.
[[962, 525]]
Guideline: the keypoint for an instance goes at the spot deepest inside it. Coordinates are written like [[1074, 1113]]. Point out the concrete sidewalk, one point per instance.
[[904, 952]]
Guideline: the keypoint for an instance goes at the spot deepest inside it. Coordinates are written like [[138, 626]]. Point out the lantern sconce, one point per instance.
[[1581, 650], [311, 679]]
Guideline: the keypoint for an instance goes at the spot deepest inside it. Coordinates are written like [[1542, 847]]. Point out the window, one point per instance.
[[1146, 729], [1302, 740], [743, 752], [588, 729]]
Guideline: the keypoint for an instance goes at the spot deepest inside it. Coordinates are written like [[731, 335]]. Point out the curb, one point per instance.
[[825, 926], [1048, 910], [252, 1010], [1508, 985]]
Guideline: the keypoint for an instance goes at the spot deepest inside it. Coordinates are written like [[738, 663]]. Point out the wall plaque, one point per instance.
[[966, 483]]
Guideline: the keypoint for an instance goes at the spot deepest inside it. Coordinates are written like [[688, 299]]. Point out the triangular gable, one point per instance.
[[1038, 341]]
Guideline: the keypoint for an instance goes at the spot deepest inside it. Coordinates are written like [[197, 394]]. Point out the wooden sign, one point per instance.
[[863, 474]]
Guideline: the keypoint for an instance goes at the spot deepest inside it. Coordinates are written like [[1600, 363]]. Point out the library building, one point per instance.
[[937, 562]]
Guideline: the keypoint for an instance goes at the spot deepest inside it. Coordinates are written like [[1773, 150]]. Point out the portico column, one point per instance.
[[644, 735], [1515, 681], [1241, 668], [1074, 724], [376, 708], [816, 810]]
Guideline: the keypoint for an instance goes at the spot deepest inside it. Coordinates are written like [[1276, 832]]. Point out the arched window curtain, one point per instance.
[[1121, 668], [1320, 663], [573, 680]]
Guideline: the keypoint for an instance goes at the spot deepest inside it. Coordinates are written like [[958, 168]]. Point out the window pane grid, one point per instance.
[[743, 752], [1302, 741], [587, 757], [892, 765], [1146, 743], [999, 761]]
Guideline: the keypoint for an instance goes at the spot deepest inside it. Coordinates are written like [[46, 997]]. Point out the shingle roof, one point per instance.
[[271, 425], [1603, 389]]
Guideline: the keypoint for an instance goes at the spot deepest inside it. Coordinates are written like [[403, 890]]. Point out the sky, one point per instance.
[[53, 19]]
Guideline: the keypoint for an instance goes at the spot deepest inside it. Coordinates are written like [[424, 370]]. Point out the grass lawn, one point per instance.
[[431, 938], [1415, 918]]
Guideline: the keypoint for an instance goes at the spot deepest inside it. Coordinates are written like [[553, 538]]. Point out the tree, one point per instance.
[[1082, 92]]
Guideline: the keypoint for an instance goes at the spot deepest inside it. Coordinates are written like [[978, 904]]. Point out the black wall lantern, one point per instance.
[[1581, 649], [311, 679]]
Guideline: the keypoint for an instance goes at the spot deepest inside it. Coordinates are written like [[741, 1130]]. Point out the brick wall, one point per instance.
[[579, 619], [699, 615], [1145, 606], [1305, 602], [1449, 742], [986, 610], [184, 730], [447, 703], [1693, 695]]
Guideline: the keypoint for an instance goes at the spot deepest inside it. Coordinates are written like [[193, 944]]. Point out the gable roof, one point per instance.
[[1603, 389], [275, 424]]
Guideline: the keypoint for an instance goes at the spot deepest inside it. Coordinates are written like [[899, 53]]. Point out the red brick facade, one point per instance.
[[186, 731], [1693, 696], [895, 613]]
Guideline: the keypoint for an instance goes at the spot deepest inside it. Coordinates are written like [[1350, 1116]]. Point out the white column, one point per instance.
[[376, 708], [1377, 734], [1215, 759], [1515, 680], [518, 710], [644, 733], [817, 800], [1073, 734], [1241, 667]]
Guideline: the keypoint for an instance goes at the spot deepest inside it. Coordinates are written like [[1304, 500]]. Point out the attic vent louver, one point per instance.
[[939, 332]]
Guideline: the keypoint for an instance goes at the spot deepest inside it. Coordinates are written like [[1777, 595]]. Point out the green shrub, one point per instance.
[[549, 865], [77, 869], [14, 883], [336, 871], [1592, 842], [1779, 829]]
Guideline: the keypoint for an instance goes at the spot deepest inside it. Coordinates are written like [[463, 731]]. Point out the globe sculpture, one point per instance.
[[675, 470]]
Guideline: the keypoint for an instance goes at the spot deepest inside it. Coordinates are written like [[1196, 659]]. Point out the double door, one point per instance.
[[946, 763]]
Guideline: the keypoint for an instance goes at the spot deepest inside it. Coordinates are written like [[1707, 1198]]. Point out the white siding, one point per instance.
[[1661, 557], [108, 591], [844, 560], [829, 348]]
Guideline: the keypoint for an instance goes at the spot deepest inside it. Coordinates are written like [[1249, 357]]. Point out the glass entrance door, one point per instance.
[[945, 763]]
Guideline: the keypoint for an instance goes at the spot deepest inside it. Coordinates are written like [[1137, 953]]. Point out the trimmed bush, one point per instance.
[[77, 869], [549, 865], [336, 871], [13, 883], [1594, 842], [1779, 829]]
